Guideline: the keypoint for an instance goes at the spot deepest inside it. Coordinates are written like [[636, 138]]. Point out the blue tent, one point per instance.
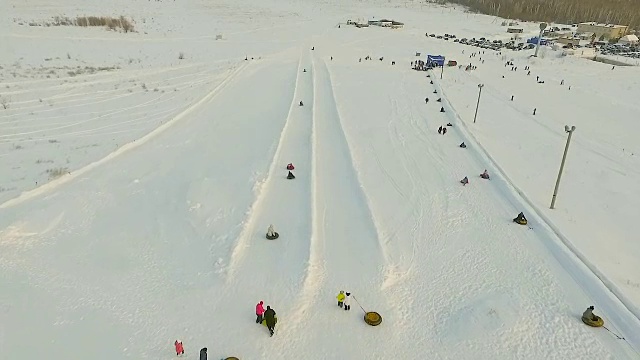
[[534, 40], [435, 60]]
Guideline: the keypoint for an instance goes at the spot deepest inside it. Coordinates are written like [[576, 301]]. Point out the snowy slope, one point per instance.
[[141, 240], [157, 231], [608, 158], [464, 228], [594, 206]]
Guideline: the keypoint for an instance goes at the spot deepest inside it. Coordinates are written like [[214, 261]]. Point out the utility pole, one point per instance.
[[480, 86], [564, 157], [542, 27]]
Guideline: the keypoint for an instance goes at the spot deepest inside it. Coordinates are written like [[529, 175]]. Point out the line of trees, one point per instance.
[[623, 12]]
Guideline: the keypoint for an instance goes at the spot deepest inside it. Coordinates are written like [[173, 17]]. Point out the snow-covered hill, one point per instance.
[[141, 171]]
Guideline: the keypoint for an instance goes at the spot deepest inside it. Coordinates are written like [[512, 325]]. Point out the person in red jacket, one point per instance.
[[259, 312], [179, 347]]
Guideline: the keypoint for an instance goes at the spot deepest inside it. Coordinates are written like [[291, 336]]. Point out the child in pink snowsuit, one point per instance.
[[179, 347], [259, 312]]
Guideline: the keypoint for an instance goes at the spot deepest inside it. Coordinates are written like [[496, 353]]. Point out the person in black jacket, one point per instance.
[[203, 354], [270, 318]]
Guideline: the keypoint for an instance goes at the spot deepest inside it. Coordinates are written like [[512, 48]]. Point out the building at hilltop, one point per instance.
[[628, 40], [569, 41], [386, 23], [603, 31]]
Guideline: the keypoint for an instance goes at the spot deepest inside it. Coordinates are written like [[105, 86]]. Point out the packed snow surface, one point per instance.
[[141, 170]]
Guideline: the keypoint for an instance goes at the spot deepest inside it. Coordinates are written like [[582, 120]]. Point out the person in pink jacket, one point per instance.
[[259, 312], [179, 347]]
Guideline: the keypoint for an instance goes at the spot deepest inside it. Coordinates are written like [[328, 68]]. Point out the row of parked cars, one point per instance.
[[485, 43], [628, 50]]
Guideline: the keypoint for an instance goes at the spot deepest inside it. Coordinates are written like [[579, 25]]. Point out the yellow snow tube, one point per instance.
[[594, 323], [232, 358], [373, 318]]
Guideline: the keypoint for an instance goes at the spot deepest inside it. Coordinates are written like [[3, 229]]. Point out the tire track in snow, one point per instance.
[[127, 112], [98, 77], [77, 89], [155, 100], [73, 99], [98, 100], [153, 117], [27, 195]]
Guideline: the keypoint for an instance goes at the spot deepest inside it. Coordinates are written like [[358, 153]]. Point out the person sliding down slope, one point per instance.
[[179, 347]]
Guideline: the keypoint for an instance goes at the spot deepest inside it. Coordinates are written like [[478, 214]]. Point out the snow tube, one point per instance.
[[373, 318], [264, 321], [520, 221], [231, 358], [275, 236], [597, 323]]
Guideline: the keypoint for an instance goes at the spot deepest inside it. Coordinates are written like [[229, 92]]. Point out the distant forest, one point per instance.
[[623, 12]]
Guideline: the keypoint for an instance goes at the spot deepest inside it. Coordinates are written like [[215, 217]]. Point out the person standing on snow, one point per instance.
[[347, 302], [259, 312], [270, 318], [340, 298], [179, 347], [588, 314], [203, 354]]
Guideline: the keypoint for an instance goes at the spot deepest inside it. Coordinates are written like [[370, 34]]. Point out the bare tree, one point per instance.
[[562, 11]]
